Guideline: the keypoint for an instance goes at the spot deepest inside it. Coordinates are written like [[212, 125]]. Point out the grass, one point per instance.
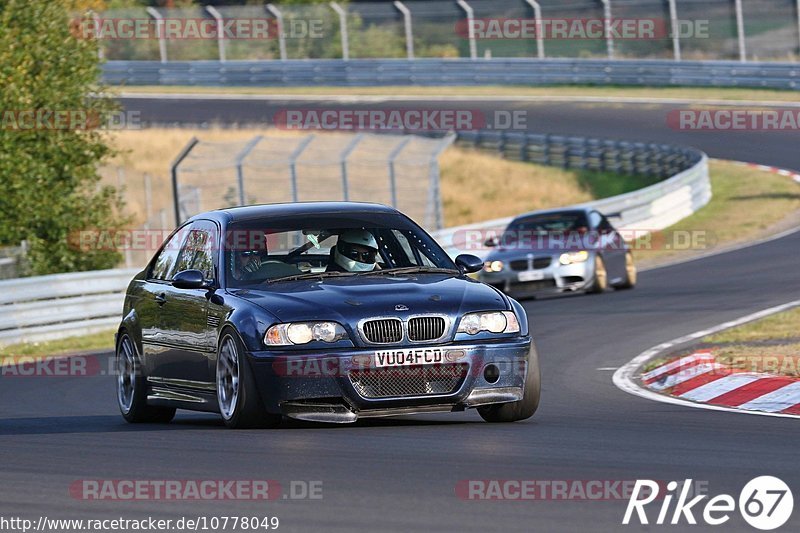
[[747, 204], [689, 93], [784, 325], [103, 340]]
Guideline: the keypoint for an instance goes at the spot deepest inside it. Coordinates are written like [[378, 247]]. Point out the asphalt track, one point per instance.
[[401, 474]]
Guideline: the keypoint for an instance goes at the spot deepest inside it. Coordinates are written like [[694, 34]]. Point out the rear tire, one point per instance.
[[237, 393], [524, 408], [600, 282], [132, 386], [631, 274]]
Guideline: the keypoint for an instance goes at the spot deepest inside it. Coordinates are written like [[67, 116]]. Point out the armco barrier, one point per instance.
[[49, 307], [516, 71], [60, 305]]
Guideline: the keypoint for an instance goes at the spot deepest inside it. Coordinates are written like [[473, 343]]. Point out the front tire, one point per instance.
[[237, 392], [631, 274], [132, 386], [524, 408], [600, 282]]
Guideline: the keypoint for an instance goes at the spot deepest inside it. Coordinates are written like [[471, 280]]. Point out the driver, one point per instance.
[[246, 262], [355, 251]]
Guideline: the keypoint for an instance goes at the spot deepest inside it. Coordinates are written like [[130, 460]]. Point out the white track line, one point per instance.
[[625, 378]]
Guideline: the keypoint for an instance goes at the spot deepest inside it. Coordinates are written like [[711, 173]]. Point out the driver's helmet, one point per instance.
[[356, 251]]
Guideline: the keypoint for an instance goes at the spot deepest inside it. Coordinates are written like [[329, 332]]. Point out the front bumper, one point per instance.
[[555, 278], [322, 387]]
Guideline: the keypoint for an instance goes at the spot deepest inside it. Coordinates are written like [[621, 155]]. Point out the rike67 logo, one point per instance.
[[765, 503]]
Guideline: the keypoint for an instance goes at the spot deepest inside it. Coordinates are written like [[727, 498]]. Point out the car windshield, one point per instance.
[[546, 224], [271, 252]]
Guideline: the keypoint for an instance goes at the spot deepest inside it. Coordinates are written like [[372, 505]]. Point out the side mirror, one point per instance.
[[491, 242], [469, 263], [190, 279]]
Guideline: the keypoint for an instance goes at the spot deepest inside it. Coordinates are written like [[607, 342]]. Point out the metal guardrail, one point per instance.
[[685, 189], [438, 72], [60, 305]]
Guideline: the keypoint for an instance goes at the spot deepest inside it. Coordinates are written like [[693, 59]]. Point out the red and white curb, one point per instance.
[[699, 381], [699, 378], [775, 170]]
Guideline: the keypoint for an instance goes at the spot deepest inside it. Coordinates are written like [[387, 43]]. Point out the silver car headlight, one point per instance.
[[295, 333], [493, 322], [573, 257]]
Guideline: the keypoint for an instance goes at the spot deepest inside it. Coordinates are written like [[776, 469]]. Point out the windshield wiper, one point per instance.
[[411, 270], [309, 275]]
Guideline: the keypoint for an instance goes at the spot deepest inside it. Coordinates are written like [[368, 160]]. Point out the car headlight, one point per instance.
[[573, 257], [493, 322], [493, 266], [303, 332]]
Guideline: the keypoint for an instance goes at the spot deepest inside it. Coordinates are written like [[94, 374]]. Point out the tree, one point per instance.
[[50, 145]]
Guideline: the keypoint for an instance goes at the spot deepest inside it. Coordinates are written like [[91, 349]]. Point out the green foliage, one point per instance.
[[50, 185]]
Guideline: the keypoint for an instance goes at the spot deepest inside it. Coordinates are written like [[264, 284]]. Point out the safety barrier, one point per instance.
[[514, 71]]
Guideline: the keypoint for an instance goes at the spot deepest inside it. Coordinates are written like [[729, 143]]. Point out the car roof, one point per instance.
[[251, 212], [559, 211]]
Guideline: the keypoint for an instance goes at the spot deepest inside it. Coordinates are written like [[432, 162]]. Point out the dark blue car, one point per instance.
[[326, 312]]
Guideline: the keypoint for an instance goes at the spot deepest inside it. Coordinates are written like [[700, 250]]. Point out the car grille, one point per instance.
[[426, 328], [383, 331], [408, 381], [538, 263]]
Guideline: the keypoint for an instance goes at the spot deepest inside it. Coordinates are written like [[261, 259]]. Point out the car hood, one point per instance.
[[349, 299]]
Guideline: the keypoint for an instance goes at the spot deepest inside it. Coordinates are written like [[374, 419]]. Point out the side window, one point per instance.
[[595, 219], [164, 265], [198, 250]]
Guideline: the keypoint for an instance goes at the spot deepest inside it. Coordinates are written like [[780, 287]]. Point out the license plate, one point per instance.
[[531, 275], [409, 357]]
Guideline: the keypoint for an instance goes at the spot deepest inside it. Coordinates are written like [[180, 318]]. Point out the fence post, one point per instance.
[[281, 36], [740, 31], [343, 29], [148, 200], [343, 163], [473, 48], [537, 16], [797, 9], [607, 28], [220, 31], [162, 44], [240, 157], [407, 24], [392, 157], [293, 164], [435, 196], [174, 171], [676, 37]]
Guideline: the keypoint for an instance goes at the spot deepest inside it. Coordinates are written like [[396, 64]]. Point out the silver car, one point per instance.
[[560, 250]]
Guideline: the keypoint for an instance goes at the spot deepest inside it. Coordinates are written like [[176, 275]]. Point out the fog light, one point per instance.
[[491, 373]]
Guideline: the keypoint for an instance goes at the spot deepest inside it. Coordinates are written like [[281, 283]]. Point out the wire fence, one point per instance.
[[748, 30], [397, 170]]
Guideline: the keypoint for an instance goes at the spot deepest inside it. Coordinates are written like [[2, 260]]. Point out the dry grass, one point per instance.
[[747, 204], [478, 186], [781, 326]]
